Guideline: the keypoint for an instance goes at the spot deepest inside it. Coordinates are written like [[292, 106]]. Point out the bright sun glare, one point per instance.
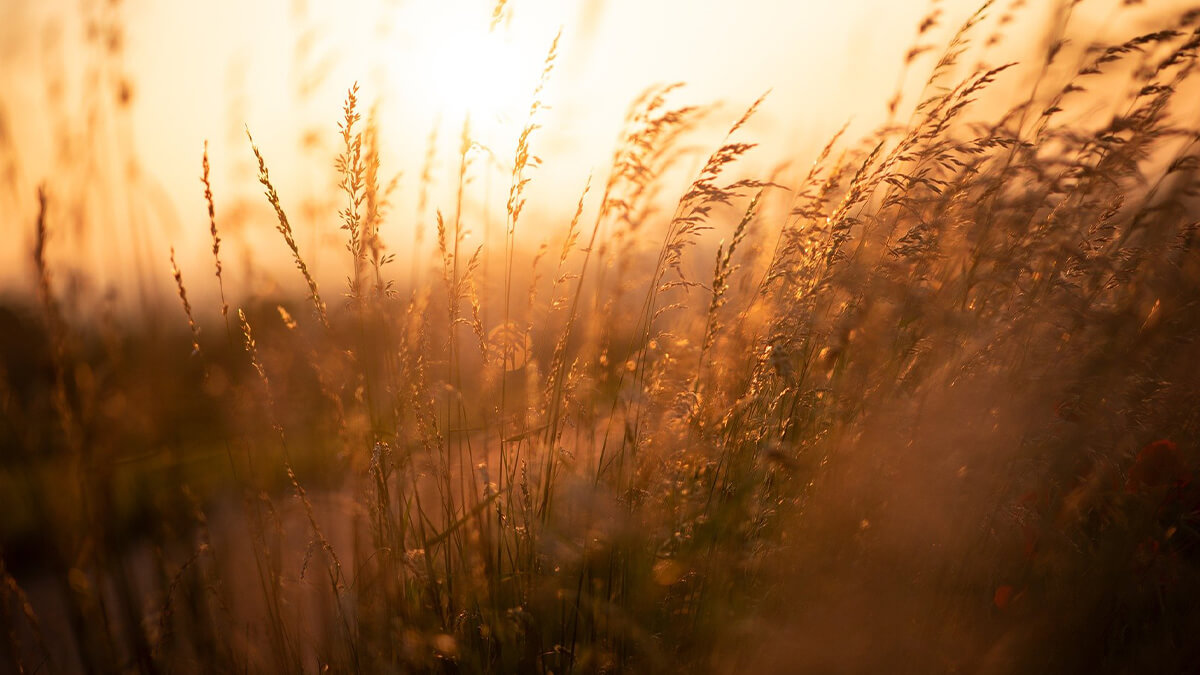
[[471, 68]]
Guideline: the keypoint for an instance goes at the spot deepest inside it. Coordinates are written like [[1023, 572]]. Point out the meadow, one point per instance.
[[921, 401]]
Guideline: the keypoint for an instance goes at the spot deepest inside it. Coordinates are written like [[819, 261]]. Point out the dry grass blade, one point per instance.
[[285, 228]]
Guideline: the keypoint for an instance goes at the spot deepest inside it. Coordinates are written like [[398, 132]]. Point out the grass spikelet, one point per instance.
[[45, 292], [187, 307], [497, 14], [285, 229], [216, 240], [377, 197], [522, 161], [723, 269], [55, 324], [12, 595], [351, 166]]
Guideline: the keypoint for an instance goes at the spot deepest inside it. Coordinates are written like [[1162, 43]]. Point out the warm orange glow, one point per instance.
[[519, 336], [472, 70], [454, 60]]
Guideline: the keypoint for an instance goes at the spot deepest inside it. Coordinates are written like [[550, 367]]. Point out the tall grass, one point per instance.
[[932, 409]]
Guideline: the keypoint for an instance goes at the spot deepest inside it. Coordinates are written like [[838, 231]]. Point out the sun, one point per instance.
[[480, 77], [465, 67]]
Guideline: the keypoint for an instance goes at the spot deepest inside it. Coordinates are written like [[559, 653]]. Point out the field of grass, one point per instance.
[[926, 404]]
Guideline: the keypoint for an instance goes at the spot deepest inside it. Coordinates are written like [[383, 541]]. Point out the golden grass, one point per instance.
[[931, 410]]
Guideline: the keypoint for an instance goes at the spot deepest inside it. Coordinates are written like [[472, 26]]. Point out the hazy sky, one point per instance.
[[204, 70]]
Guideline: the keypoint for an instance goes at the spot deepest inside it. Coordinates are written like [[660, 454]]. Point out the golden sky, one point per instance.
[[206, 70]]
